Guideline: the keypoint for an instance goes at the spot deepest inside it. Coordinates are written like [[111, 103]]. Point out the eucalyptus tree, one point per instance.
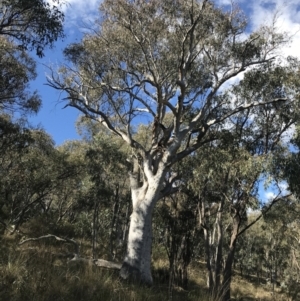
[[96, 202], [105, 160], [30, 171], [282, 243], [231, 168], [176, 225], [148, 58], [270, 249], [17, 69], [25, 26], [222, 188], [288, 167], [33, 25]]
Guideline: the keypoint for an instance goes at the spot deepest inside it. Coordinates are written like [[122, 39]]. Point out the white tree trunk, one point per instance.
[[137, 262]]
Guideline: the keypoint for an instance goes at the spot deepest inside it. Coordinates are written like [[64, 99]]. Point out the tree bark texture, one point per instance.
[[213, 247], [227, 273], [137, 263]]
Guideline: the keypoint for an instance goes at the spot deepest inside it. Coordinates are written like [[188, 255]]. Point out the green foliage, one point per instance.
[[144, 65], [270, 251], [17, 69], [31, 171], [34, 24], [290, 165], [15, 136]]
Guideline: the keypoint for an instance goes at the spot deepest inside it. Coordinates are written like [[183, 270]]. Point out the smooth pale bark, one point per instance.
[[213, 248], [218, 243], [137, 262], [114, 222]]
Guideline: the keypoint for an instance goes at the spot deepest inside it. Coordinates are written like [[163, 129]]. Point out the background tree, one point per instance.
[[33, 176], [288, 167], [33, 24], [106, 193], [269, 250], [227, 173], [23, 24], [17, 70]]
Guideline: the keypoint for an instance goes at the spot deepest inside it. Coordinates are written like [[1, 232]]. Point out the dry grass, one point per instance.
[[37, 272]]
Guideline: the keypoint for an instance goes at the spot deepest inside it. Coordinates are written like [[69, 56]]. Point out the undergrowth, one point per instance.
[[41, 272]]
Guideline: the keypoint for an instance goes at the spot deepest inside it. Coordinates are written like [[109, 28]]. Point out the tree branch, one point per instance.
[[66, 240], [264, 212]]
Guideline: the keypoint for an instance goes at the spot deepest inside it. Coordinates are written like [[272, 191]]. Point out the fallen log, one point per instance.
[[107, 264]]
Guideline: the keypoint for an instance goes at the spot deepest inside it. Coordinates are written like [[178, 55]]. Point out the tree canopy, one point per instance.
[[33, 24]]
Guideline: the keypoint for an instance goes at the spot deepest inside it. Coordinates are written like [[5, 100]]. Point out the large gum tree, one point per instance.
[[165, 64]]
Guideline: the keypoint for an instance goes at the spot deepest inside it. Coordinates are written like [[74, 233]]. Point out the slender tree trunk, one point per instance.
[[183, 258], [210, 279], [227, 273], [203, 221], [94, 230], [126, 224], [181, 274], [114, 222], [219, 246], [213, 252], [171, 280]]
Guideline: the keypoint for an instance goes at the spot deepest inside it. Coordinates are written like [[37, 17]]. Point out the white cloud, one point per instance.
[[283, 187], [79, 13], [262, 12], [259, 12], [273, 191], [80, 9], [269, 195], [287, 19]]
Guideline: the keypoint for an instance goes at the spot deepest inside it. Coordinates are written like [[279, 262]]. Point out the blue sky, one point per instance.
[[59, 122]]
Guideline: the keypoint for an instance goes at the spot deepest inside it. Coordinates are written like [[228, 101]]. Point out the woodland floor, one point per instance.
[[40, 271]]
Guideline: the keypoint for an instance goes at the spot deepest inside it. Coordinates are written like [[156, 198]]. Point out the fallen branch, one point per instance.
[[66, 240], [98, 262]]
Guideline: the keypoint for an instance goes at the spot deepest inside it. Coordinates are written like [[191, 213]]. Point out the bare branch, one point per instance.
[[265, 210], [65, 240]]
